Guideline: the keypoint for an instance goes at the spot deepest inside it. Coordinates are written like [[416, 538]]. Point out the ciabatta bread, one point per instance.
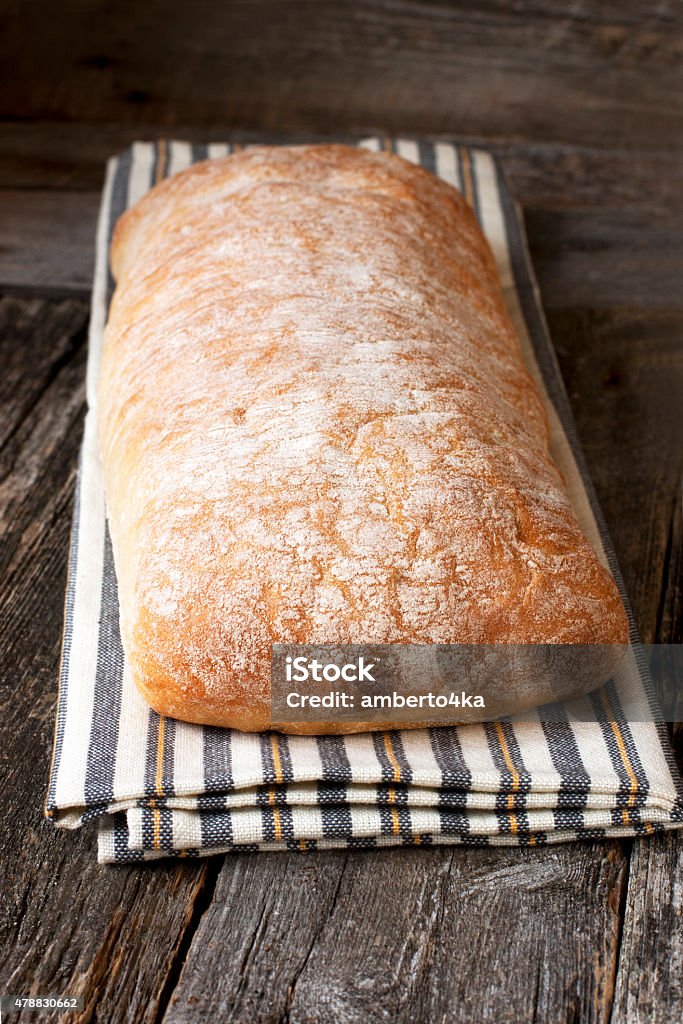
[[316, 426]]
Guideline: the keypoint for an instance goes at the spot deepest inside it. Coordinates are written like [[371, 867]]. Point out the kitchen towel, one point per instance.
[[159, 787]]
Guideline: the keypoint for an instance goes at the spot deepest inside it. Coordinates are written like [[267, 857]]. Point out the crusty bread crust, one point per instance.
[[316, 426]]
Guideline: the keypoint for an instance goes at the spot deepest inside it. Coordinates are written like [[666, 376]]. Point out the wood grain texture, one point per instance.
[[547, 175], [48, 242], [66, 924], [649, 987], [418, 935], [584, 73], [609, 257], [624, 373], [256, 936]]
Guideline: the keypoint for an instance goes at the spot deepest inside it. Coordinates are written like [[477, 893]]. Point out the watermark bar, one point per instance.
[[447, 684]]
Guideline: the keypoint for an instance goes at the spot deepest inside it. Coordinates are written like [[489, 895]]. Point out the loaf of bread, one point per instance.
[[316, 427]]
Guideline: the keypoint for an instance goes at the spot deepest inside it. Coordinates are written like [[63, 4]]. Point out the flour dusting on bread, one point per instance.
[[316, 426]]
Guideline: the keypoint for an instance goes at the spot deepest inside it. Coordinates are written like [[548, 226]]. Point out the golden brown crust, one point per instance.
[[316, 426]]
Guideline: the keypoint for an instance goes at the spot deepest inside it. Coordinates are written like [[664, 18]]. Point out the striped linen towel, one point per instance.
[[160, 787]]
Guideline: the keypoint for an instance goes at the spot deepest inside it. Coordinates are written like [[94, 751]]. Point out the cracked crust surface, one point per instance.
[[316, 426]]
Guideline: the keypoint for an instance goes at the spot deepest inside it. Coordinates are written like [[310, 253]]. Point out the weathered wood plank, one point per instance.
[[411, 935], [649, 987], [48, 240], [640, 364], [592, 74], [51, 334], [606, 257], [46, 154], [255, 938], [624, 373], [68, 926]]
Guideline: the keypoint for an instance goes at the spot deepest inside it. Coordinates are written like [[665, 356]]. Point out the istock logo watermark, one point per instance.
[[301, 669]]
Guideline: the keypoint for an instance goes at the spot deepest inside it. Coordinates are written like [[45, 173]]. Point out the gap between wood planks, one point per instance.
[[196, 911], [596, 73]]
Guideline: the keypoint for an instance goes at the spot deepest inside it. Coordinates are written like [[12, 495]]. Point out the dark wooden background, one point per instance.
[[584, 101]]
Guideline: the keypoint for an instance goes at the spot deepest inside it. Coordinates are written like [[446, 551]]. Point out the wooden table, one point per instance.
[[583, 101]]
